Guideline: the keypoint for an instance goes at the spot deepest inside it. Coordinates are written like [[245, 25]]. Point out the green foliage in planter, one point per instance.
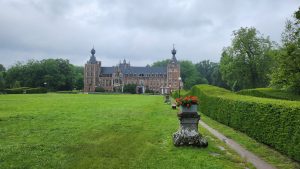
[[273, 122], [270, 93]]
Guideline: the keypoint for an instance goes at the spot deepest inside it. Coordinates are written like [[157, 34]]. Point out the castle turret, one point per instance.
[[173, 72], [91, 73]]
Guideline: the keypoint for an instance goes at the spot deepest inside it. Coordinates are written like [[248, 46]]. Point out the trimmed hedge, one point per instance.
[[183, 93], [25, 90], [270, 93], [36, 90], [273, 122], [68, 92]]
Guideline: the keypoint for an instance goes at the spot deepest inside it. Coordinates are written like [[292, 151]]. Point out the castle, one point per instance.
[[157, 79]]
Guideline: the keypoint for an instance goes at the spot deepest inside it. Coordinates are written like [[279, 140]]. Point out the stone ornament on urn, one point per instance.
[[188, 134]]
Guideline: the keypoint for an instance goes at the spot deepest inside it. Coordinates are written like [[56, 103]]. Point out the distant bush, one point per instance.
[[273, 122], [270, 93], [130, 88], [149, 91], [25, 90], [36, 90], [16, 90], [68, 92], [99, 89]]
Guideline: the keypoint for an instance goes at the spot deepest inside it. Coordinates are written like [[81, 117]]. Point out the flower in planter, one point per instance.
[[187, 101]]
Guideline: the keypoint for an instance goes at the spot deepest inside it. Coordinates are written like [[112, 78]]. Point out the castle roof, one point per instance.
[[135, 70]]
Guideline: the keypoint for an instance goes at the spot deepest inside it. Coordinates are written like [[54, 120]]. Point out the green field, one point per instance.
[[99, 131]]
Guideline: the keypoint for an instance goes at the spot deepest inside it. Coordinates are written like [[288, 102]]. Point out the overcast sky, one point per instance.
[[141, 31]]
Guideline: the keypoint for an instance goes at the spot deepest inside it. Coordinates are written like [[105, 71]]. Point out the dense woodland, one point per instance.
[[53, 74], [251, 61]]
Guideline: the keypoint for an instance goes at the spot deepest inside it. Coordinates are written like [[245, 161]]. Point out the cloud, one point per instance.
[[139, 30]]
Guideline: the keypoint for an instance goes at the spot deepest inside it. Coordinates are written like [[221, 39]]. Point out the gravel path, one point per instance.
[[250, 157]]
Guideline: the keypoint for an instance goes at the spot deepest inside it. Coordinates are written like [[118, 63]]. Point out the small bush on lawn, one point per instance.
[[99, 89], [149, 91], [130, 88], [19, 90], [68, 92], [270, 93], [272, 122], [25, 90], [36, 90]]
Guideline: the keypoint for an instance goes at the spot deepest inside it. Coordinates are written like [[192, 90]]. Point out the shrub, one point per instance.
[[149, 91], [99, 89], [25, 90], [273, 122], [270, 93], [68, 92], [130, 88], [19, 90], [36, 90]]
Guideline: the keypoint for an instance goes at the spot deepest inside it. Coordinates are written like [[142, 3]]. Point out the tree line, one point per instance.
[[53, 74], [254, 61], [251, 61]]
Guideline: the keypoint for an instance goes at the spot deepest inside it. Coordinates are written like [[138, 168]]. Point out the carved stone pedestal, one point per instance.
[[188, 133]]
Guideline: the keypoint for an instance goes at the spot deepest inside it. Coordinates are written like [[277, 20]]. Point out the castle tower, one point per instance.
[[91, 73], [173, 72]]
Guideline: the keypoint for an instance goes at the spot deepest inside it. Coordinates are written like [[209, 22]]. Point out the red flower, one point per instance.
[[187, 101]]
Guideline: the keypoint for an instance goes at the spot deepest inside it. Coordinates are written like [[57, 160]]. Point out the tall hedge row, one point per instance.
[[270, 93], [273, 122]]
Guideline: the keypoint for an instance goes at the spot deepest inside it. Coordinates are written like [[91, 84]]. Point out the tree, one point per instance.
[[78, 72], [2, 81], [2, 68], [57, 73], [211, 72], [2, 77], [287, 72], [162, 63], [206, 68], [247, 63], [189, 74]]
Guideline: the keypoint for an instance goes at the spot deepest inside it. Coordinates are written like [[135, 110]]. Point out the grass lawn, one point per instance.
[[99, 131]]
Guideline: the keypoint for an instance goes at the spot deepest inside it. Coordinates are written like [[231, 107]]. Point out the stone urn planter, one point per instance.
[[188, 134]]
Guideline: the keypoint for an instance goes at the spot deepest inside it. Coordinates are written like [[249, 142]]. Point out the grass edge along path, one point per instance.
[[245, 154], [268, 154]]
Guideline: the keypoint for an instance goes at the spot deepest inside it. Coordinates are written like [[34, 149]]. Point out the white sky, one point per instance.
[[141, 31]]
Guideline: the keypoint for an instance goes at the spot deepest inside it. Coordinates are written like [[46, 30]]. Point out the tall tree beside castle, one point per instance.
[[286, 74], [159, 79]]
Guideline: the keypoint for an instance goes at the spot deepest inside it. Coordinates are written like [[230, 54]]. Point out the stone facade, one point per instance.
[[158, 79]]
